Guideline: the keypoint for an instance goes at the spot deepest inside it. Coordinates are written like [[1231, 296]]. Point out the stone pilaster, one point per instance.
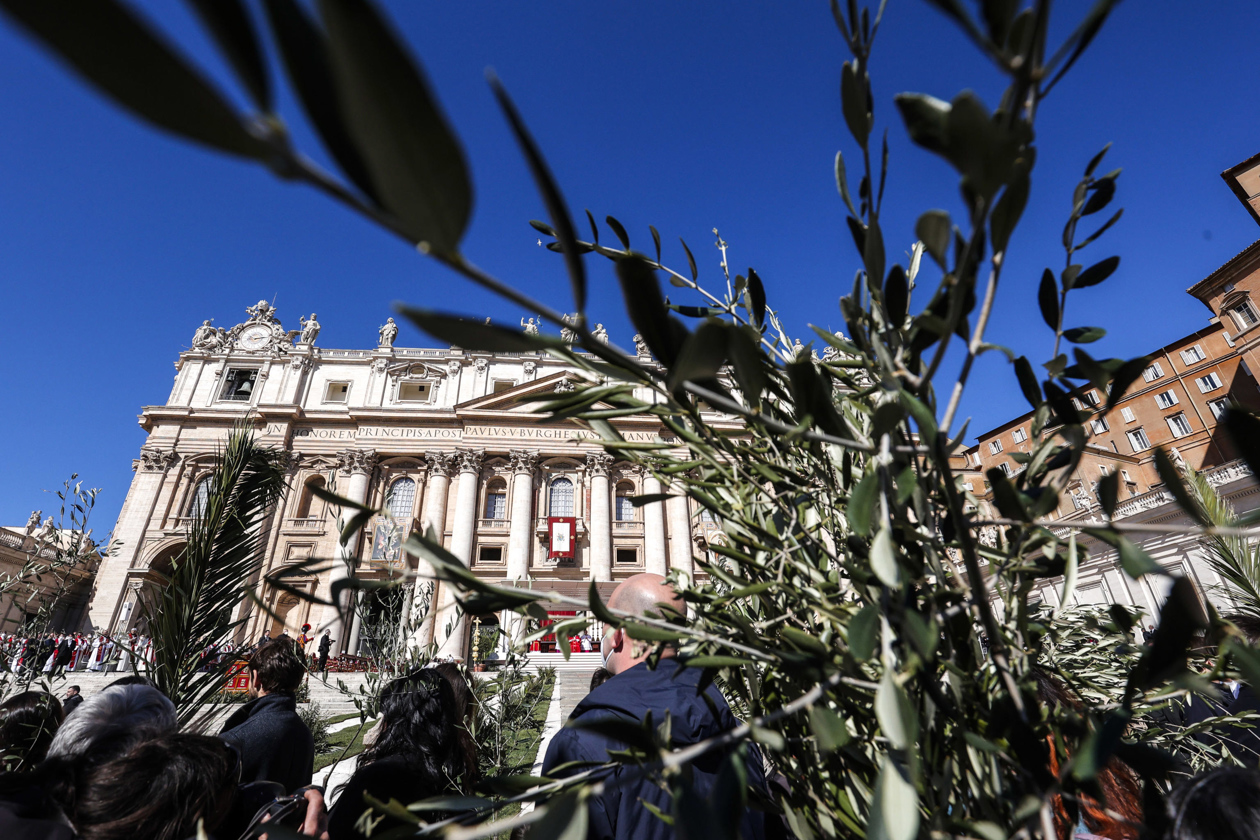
[[441, 467], [520, 540], [600, 527], [151, 469], [450, 624], [680, 545], [653, 528], [359, 464]]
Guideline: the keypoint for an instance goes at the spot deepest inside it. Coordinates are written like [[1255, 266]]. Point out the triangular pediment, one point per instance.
[[512, 399]]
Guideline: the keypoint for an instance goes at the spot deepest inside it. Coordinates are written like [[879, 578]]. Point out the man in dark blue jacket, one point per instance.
[[275, 745], [633, 691]]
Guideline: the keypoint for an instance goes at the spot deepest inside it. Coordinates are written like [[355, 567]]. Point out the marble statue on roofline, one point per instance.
[[310, 329], [388, 332]]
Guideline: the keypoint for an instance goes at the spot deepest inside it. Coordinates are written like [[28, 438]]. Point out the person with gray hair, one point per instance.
[[121, 714]]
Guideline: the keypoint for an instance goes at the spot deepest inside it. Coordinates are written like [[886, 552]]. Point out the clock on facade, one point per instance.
[[254, 338]]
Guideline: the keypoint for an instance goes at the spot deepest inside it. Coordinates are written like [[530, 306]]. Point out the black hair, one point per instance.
[[1223, 804], [132, 679], [74, 688], [601, 676], [418, 719], [277, 666], [158, 789], [466, 709], [28, 722]]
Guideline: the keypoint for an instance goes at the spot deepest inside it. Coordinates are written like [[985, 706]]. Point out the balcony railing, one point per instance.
[[627, 528], [493, 524], [540, 526], [310, 525]]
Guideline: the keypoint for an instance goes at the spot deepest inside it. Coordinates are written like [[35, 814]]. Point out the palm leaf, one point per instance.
[[1234, 558], [193, 609]]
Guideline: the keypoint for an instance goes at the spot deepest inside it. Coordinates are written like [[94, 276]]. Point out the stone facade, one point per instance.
[[439, 437]]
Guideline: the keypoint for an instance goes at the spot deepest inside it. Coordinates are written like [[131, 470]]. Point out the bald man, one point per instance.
[[630, 694]]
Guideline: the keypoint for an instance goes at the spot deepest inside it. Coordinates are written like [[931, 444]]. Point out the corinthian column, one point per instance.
[[680, 556], [597, 464], [450, 620], [359, 464], [519, 539], [441, 465], [653, 528]]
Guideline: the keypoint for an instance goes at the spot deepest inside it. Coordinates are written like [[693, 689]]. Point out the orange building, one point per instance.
[[1175, 405]]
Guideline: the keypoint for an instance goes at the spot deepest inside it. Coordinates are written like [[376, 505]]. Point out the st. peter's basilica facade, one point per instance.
[[440, 438]]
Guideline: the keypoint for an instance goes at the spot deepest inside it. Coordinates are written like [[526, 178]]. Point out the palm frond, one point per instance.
[[209, 579], [1234, 558]]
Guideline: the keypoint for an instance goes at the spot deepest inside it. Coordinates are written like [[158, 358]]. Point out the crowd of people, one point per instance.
[[114, 766], [57, 653]]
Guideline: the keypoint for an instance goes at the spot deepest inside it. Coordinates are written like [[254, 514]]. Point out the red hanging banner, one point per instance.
[[561, 535]]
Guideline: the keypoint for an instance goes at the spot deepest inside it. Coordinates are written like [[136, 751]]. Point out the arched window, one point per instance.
[[707, 518], [401, 498], [560, 499], [625, 510], [200, 499], [496, 499], [307, 502]]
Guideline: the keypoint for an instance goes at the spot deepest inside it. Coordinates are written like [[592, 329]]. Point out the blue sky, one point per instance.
[[116, 241]]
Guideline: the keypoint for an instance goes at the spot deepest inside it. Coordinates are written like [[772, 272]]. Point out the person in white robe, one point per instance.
[[94, 661]]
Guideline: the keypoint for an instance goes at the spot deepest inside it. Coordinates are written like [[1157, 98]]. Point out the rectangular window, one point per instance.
[[1166, 399], [1218, 406], [1019, 435], [1178, 423], [1104, 469], [414, 391], [1138, 440], [1100, 425], [1208, 383], [1005, 467], [1124, 474], [1153, 372], [1127, 414], [501, 385], [627, 557], [1245, 315], [490, 555], [337, 392], [1192, 355], [995, 446], [1090, 398], [238, 384]]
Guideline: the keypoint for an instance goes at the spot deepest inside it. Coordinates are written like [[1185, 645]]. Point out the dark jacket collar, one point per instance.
[[633, 693], [267, 704]]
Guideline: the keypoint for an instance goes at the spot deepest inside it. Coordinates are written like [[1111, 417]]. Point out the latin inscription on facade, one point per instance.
[[515, 433]]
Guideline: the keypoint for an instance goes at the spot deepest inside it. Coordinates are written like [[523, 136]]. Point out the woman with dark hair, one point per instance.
[[28, 722], [1223, 804], [416, 753], [466, 709], [1119, 815], [158, 790]]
